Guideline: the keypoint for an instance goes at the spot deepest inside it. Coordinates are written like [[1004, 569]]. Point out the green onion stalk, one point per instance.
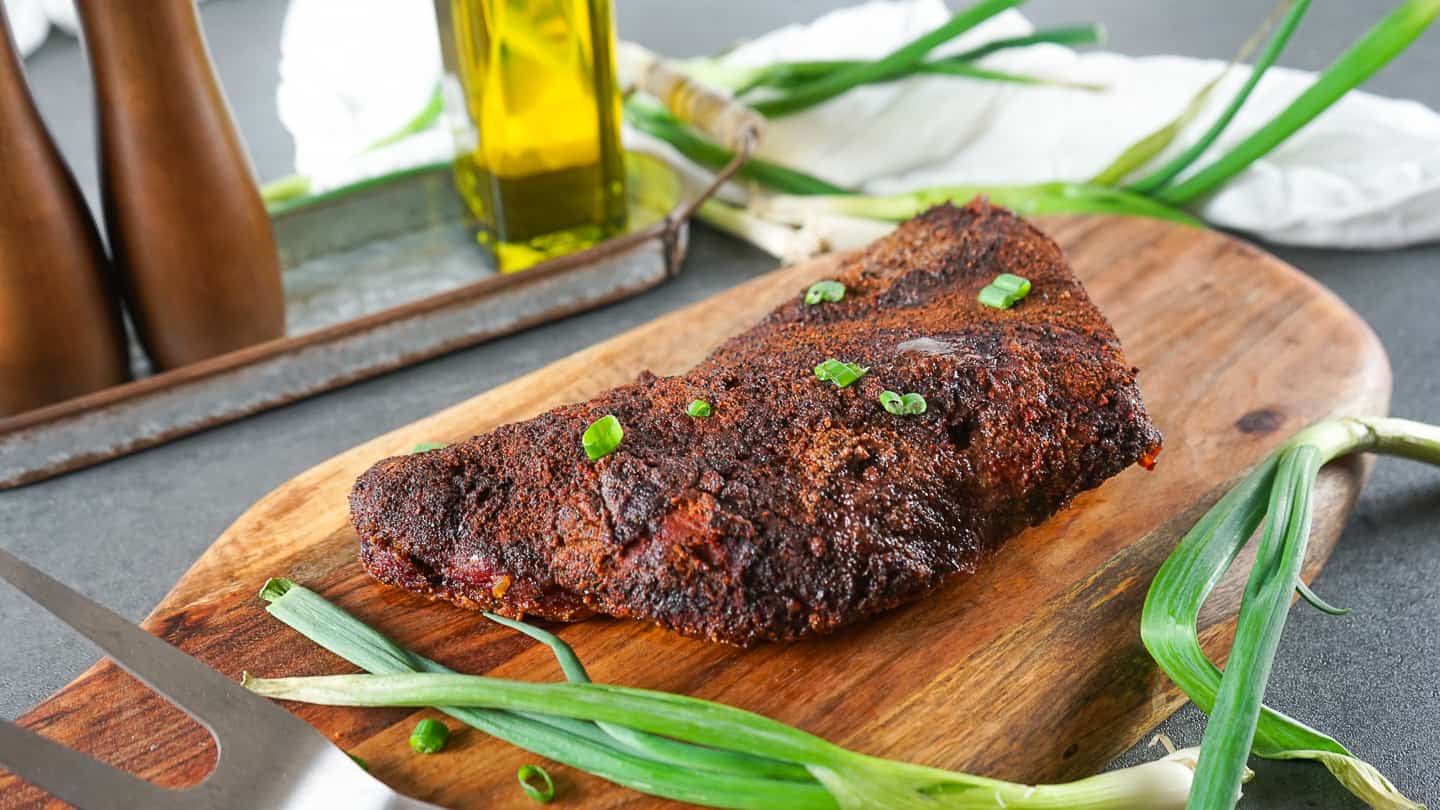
[[669, 745], [1278, 493], [741, 80], [900, 60], [1150, 146], [1029, 200]]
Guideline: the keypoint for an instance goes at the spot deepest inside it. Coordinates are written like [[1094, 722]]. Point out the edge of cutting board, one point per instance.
[[263, 535]]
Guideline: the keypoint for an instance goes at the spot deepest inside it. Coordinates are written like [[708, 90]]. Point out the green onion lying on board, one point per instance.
[[674, 746], [1277, 492]]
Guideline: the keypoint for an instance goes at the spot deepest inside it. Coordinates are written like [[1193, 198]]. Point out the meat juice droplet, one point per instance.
[[1148, 460]]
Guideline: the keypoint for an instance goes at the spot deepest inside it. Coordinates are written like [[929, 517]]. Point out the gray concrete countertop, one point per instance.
[[125, 531]]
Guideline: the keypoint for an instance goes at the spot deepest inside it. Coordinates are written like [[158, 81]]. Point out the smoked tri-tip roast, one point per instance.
[[797, 506]]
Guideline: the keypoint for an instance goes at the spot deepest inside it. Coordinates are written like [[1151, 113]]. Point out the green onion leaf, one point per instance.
[[662, 749], [1386, 40], [912, 53], [429, 736], [1162, 176], [1148, 147], [1318, 603], [1089, 34], [602, 437], [526, 776], [655, 120], [730, 758], [1276, 493], [426, 447], [578, 744], [698, 408], [842, 374], [790, 75], [832, 291]]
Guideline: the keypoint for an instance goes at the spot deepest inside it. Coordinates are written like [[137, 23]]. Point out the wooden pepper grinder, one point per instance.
[[188, 231], [61, 333]]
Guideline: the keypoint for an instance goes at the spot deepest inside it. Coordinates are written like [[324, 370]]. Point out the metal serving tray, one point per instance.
[[377, 276]]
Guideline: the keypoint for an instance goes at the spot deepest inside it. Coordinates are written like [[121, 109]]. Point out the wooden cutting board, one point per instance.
[[1031, 669]]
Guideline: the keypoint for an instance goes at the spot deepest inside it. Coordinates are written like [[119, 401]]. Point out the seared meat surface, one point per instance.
[[797, 506]]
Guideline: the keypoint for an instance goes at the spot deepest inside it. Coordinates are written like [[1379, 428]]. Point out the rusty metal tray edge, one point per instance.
[[107, 424]]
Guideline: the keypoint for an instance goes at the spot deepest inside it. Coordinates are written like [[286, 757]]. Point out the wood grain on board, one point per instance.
[[1031, 669]]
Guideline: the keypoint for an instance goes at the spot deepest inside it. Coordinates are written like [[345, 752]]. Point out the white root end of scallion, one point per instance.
[[788, 244]]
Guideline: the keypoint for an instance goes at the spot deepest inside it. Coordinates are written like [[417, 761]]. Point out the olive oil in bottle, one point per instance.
[[539, 162]]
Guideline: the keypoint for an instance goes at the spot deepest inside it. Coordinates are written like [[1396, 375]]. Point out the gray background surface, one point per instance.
[[125, 531]]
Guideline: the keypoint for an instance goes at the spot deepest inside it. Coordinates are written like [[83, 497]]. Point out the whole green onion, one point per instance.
[[1278, 493]]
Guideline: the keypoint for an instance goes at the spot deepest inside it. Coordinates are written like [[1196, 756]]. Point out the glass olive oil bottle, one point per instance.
[[538, 161]]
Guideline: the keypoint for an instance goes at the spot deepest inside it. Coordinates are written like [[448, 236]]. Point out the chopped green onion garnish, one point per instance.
[[530, 772], [429, 736], [364, 766], [997, 298], [842, 374], [425, 447], [1004, 291], [827, 290], [906, 405], [1013, 284], [698, 408], [602, 437]]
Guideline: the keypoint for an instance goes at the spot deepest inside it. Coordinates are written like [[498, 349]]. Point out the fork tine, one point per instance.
[[73, 776], [204, 694]]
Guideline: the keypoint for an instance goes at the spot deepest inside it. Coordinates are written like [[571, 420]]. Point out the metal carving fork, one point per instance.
[[268, 757]]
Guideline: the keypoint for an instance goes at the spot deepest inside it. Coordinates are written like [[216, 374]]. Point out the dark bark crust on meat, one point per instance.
[[797, 507]]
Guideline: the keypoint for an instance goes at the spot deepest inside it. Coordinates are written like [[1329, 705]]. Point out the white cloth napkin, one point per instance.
[[30, 21], [1366, 174]]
